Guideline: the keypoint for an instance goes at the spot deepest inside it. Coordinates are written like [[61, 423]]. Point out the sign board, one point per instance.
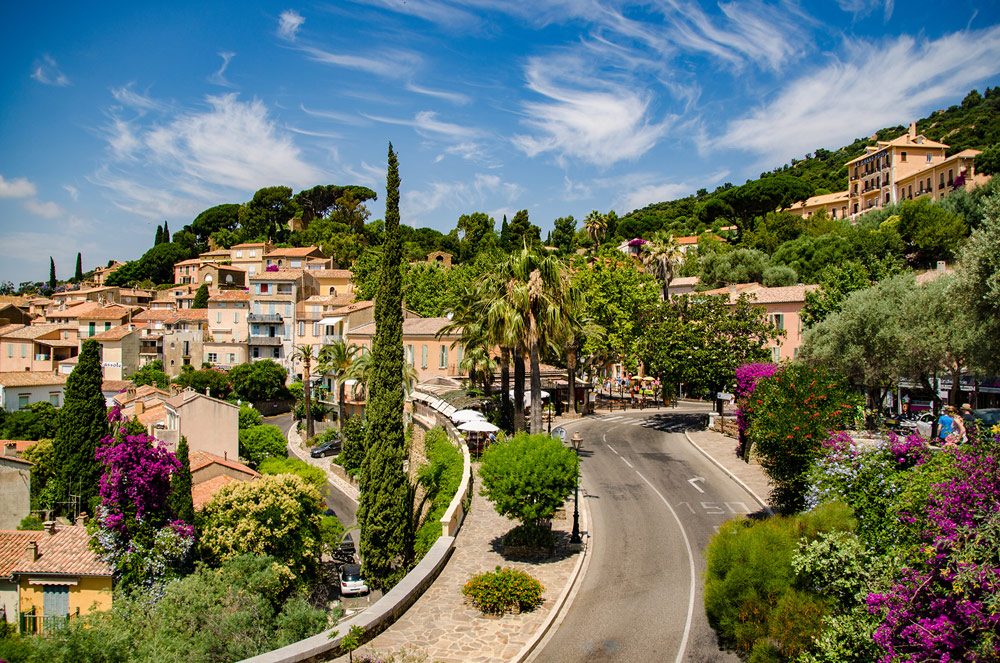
[[111, 364], [559, 432], [723, 396]]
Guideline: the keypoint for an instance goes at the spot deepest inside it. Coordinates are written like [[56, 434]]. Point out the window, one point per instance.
[[264, 288], [775, 354], [779, 321], [218, 317], [409, 355], [55, 600], [276, 353], [288, 309], [928, 157], [256, 353], [315, 329], [253, 253], [239, 253], [213, 358], [941, 184], [253, 270], [444, 356], [795, 352], [236, 317], [91, 328], [951, 178], [909, 191], [302, 328], [256, 308], [22, 401], [270, 308], [902, 157], [54, 398], [24, 350], [423, 357], [232, 358], [10, 349]]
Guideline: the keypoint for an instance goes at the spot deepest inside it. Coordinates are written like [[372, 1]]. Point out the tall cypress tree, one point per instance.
[[82, 423], [166, 233], [201, 297], [79, 268], [505, 235], [52, 273], [180, 485], [385, 504], [159, 235]]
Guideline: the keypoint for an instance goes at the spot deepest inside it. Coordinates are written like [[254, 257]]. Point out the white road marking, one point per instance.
[[626, 462], [693, 481], [691, 591]]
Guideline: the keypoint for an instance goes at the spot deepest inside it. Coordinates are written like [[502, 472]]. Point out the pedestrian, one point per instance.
[[968, 418], [945, 422], [957, 428], [905, 415]]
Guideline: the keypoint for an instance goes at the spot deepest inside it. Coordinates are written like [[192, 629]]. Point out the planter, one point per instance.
[[527, 552]]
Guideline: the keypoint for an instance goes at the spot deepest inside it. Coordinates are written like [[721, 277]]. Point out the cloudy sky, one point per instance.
[[115, 117]]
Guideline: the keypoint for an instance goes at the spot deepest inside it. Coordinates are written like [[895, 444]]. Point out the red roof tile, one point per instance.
[[66, 551]]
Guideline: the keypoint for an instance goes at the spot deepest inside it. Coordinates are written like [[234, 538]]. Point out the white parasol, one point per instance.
[[478, 426], [466, 415]]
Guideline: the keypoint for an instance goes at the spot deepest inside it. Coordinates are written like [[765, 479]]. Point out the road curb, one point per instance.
[[568, 594], [729, 474]]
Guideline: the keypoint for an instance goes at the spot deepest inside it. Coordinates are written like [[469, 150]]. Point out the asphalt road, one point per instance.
[[654, 502]]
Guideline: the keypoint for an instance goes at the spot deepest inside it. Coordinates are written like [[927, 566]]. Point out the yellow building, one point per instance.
[[50, 577], [836, 205], [956, 172]]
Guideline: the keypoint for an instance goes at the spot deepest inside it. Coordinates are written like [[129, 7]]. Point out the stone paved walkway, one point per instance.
[[444, 629]]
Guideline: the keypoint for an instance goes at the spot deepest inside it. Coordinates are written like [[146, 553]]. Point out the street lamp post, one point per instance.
[[576, 441]]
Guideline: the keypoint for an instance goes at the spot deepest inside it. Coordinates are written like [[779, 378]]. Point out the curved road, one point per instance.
[[654, 502]]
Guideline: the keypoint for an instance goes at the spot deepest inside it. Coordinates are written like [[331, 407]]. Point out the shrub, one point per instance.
[[534, 536], [528, 477], [789, 416], [30, 522], [440, 479], [249, 416], [352, 454], [504, 590], [261, 442], [312, 474]]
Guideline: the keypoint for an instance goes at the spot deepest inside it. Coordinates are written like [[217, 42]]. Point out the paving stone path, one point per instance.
[[442, 627]]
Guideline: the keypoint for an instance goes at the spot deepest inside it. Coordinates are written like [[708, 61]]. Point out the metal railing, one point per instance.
[[32, 623]]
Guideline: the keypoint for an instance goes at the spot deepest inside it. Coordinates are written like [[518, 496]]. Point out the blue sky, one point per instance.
[[117, 116]]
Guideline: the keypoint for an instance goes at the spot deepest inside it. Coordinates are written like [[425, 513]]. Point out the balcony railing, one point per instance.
[[34, 624], [42, 357], [270, 318], [273, 341]]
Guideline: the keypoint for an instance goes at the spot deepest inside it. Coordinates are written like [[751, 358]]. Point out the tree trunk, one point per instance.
[[518, 404], [340, 404], [571, 374], [306, 389], [536, 379], [956, 387], [505, 418]]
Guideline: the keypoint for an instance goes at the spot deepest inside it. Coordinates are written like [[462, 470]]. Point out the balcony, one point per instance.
[[272, 341], [267, 318]]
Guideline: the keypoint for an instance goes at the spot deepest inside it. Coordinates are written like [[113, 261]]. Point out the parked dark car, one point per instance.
[[328, 448], [988, 416]]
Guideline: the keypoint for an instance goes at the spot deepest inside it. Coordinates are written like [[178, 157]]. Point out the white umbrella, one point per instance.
[[527, 396], [478, 426], [466, 415]]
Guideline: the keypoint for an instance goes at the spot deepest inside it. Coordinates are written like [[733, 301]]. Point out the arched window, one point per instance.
[[333, 291]]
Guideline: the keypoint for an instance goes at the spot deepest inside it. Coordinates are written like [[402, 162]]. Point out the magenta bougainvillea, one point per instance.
[[747, 377]]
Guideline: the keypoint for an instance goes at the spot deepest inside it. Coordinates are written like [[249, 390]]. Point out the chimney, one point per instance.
[[50, 527], [941, 265], [81, 520], [138, 408], [913, 130], [33, 551]]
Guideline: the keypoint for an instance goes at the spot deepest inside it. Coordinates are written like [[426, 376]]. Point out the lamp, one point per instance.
[[576, 441]]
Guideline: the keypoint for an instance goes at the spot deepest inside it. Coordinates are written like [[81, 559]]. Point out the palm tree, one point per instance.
[[596, 225], [336, 359], [305, 353], [538, 289], [660, 256], [478, 363], [361, 371]]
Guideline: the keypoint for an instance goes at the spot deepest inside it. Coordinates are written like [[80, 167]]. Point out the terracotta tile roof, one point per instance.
[[12, 458], [188, 315], [411, 327], [356, 306], [17, 300], [20, 446], [35, 331], [762, 295], [330, 300], [248, 245], [74, 311], [294, 252], [189, 261], [202, 493], [13, 546], [116, 333], [332, 273], [6, 329], [685, 280], [201, 459], [157, 314], [66, 551], [230, 296], [280, 275], [113, 312], [30, 379], [57, 342], [141, 393], [116, 386], [217, 252], [823, 199], [152, 414], [190, 394]]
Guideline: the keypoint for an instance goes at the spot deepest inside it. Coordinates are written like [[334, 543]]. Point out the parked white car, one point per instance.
[[351, 581]]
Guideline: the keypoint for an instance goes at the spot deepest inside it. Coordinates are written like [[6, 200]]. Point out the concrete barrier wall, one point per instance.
[[387, 609]]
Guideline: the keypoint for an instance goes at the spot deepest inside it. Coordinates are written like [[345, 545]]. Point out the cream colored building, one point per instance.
[[938, 180], [836, 205], [293, 257], [334, 282], [429, 356], [119, 351], [273, 298], [249, 257], [209, 424], [104, 318], [19, 389], [37, 347]]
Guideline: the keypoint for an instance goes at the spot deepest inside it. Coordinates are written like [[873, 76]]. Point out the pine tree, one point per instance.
[[166, 233], [201, 297], [159, 235], [82, 424], [79, 268], [385, 503], [180, 485], [505, 235], [52, 273]]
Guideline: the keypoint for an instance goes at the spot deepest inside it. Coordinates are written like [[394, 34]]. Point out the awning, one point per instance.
[[330, 321], [53, 580]]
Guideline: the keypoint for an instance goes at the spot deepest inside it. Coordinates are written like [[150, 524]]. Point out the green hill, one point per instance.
[[975, 123]]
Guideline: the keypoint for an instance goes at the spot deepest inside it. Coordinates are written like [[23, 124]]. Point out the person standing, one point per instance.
[[968, 418], [945, 422]]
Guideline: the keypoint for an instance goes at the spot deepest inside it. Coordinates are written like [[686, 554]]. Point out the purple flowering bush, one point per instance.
[[747, 377], [137, 533]]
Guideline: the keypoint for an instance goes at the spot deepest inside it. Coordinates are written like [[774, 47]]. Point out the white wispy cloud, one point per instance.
[[905, 76], [602, 125], [19, 187], [427, 124], [388, 63], [73, 192], [47, 72], [434, 11], [453, 97], [575, 190], [861, 8], [418, 205], [138, 101], [343, 118], [219, 77], [48, 210], [470, 151], [289, 23]]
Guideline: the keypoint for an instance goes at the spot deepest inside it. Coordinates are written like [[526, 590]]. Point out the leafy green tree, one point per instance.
[[44, 474], [214, 381], [266, 215], [201, 297], [700, 341], [180, 501], [385, 503], [335, 360], [980, 277], [777, 276], [311, 474], [596, 226], [474, 228], [988, 161], [772, 231], [427, 289], [78, 275], [739, 266], [505, 235], [216, 219], [259, 381], [277, 516], [528, 477], [151, 374], [365, 274], [929, 231], [261, 442], [564, 235], [36, 422], [836, 283], [522, 231], [809, 255], [156, 265], [353, 449], [755, 199], [82, 424], [159, 235], [249, 416]]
